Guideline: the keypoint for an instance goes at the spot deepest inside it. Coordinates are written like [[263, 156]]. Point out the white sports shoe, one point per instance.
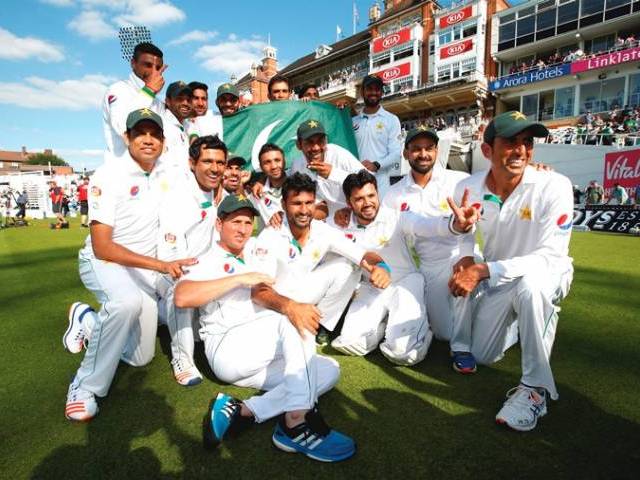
[[185, 373], [73, 338], [81, 404], [523, 407]]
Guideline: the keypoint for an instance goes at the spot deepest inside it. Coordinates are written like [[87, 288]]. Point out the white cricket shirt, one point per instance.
[[176, 142], [283, 258], [121, 99], [431, 201], [269, 203], [208, 124], [530, 230], [127, 198]]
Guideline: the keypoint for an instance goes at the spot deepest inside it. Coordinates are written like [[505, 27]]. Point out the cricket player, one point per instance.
[[296, 255], [119, 266], [385, 230], [235, 177], [227, 99], [257, 348], [138, 91], [269, 204], [526, 226], [177, 110], [326, 163], [187, 225], [202, 120], [425, 191], [377, 133]]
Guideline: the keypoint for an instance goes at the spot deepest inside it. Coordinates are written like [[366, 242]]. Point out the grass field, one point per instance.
[[425, 422]]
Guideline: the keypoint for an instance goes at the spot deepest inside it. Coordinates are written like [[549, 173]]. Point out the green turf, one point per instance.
[[426, 422]]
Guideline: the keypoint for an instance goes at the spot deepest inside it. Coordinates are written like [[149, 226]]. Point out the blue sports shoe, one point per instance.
[[222, 418], [314, 439], [464, 362]]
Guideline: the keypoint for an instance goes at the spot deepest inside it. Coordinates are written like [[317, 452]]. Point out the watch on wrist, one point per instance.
[[377, 165]]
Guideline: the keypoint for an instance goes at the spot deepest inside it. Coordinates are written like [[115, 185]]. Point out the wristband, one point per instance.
[[384, 265], [377, 165], [149, 92]]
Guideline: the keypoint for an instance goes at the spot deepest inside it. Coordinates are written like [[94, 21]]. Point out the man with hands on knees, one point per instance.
[[406, 333], [257, 348], [526, 225], [119, 266]]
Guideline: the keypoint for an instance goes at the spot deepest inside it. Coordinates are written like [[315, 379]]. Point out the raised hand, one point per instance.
[[175, 268], [341, 217], [465, 216], [155, 81]]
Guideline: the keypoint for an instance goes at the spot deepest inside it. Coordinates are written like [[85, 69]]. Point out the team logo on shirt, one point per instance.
[[134, 190], [267, 201], [380, 126], [383, 241], [525, 213], [95, 191], [261, 252], [203, 214], [292, 253], [564, 222], [170, 238], [111, 99], [228, 268], [444, 206], [356, 126], [404, 207], [315, 255], [164, 186], [349, 236]]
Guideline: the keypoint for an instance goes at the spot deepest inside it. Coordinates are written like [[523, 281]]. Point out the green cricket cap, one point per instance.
[[309, 128], [421, 130], [229, 88], [509, 124], [233, 203], [138, 116], [178, 88]]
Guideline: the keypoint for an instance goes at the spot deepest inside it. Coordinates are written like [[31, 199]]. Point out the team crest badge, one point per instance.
[[267, 201], [95, 191], [170, 238], [525, 213], [203, 214], [404, 207], [292, 253], [134, 190], [228, 268], [349, 236], [111, 99]]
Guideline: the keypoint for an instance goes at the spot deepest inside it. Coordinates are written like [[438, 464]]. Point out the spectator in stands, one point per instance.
[[630, 41], [619, 195], [619, 43], [540, 64], [594, 193]]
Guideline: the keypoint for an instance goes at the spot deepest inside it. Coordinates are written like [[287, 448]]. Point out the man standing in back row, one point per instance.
[[378, 134]]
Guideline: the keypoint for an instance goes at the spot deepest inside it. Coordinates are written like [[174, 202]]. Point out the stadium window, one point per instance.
[[530, 106], [590, 7], [469, 29], [547, 4], [634, 90], [444, 73], [525, 26], [507, 32], [467, 66], [507, 18], [564, 102], [432, 48], [567, 12], [546, 102], [445, 37], [402, 54], [455, 70], [601, 96]]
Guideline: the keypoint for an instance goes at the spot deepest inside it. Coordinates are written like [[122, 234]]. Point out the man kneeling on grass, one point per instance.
[[256, 348]]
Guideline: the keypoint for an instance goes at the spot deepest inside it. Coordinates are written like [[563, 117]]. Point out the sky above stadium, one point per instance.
[[58, 56]]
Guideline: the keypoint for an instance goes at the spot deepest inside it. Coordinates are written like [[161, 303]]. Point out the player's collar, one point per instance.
[[138, 82]]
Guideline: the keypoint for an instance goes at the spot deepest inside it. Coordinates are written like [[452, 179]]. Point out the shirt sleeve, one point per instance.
[[422, 226], [345, 165], [394, 144], [102, 199], [339, 244], [553, 246], [119, 103]]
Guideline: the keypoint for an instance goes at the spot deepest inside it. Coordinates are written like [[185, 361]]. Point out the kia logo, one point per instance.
[[391, 73], [454, 17], [455, 49], [391, 40]]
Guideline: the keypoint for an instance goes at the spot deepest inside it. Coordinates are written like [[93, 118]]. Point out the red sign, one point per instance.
[[394, 73], [456, 17], [622, 167], [606, 60], [456, 49], [381, 44]]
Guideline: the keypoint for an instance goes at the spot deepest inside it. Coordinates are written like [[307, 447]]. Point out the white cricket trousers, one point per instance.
[[180, 321], [125, 326], [406, 337], [495, 316], [441, 305], [329, 287], [268, 353]]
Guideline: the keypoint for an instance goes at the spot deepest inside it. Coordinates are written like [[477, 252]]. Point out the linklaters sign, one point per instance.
[[532, 76]]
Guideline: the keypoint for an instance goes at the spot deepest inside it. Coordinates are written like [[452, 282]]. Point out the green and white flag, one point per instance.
[[277, 122]]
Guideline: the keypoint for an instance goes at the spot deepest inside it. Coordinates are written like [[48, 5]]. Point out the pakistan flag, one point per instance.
[[277, 122]]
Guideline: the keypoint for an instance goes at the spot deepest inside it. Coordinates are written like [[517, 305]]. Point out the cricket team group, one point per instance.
[[263, 267]]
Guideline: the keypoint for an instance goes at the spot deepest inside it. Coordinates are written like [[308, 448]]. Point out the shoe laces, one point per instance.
[[77, 394], [525, 397], [179, 365]]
